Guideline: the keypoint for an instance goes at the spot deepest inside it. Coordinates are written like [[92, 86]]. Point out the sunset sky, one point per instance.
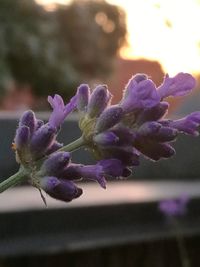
[[163, 30]]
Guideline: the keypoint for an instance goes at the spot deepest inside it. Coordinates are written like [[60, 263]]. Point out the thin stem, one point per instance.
[[78, 143], [13, 180], [181, 245]]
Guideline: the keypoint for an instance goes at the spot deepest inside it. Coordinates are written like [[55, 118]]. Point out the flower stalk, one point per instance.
[[71, 147], [13, 180]]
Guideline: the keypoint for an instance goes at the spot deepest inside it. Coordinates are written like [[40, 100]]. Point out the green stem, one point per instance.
[[22, 174], [13, 180], [185, 261], [73, 145]]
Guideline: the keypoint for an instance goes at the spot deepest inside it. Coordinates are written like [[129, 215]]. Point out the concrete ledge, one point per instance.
[[125, 213]]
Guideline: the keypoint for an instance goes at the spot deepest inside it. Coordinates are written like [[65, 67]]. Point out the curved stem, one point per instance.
[[13, 180], [73, 145]]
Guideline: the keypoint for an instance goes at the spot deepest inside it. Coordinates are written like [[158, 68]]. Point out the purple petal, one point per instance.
[[112, 167], [93, 172], [188, 125], [60, 111], [179, 85], [140, 95], [60, 189]]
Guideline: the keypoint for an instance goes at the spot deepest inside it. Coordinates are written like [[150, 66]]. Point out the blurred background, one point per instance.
[[51, 46]]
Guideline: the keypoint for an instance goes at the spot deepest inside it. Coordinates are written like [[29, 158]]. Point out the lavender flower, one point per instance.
[[57, 175], [179, 85], [174, 207], [139, 93], [136, 126], [188, 125], [118, 135]]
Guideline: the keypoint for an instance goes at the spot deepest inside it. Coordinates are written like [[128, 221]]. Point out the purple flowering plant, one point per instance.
[[117, 135], [174, 207]]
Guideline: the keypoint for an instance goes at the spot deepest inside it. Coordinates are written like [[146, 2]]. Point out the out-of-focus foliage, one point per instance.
[[57, 50], [94, 31], [30, 48]]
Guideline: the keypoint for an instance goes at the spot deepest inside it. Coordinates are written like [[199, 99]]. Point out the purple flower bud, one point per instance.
[[106, 138], [83, 94], [126, 136], [179, 85], [60, 189], [93, 172], [153, 114], [174, 207], [42, 139], [165, 134], [99, 100], [39, 124], [60, 111], [155, 131], [153, 149], [112, 167], [28, 119], [149, 128], [126, 154], [54, 147], [140, 95], [71, 172], [22, 137], [110, 117], [55, 164], [140, 77], [188, 125]]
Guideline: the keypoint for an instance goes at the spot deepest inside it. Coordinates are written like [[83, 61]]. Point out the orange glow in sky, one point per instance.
[[163, 30]]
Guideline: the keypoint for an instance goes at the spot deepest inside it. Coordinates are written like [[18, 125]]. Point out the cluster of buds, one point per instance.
[[135, 126], [117, 135]]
